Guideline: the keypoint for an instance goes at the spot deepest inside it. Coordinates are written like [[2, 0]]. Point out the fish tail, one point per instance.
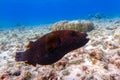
[[19, 56]]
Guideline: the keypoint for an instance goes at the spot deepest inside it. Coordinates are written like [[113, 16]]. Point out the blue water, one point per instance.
[[35, 12]]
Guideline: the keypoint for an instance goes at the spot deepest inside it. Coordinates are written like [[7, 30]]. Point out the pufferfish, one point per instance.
[[52, 47]]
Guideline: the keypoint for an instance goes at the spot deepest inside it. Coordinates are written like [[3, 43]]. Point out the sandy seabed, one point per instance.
[[99, 59]]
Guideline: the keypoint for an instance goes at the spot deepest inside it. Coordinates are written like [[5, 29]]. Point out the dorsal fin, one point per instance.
[[52, 41], [29, 44]]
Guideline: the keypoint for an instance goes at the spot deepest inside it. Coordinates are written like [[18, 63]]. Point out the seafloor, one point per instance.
[[99, 59]]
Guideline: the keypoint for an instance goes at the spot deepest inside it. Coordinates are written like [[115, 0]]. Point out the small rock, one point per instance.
[[25, 75], [1, 47], [84, 68], [5, 76], [15, 72], [74, 62], [65, 72], [78, 74], [96, 53]]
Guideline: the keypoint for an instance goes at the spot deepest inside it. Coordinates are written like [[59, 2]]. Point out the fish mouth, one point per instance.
[[85, 38]]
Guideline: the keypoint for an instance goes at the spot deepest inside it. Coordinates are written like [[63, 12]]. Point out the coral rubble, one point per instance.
[[99, 59]]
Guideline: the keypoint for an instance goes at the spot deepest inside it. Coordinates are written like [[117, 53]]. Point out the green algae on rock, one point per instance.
[[76, 25]]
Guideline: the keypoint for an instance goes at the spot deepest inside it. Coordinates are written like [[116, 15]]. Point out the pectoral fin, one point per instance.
[[52, 41], [29, 44]]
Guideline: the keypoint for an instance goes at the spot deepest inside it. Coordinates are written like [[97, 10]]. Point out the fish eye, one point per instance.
[[73, 33]]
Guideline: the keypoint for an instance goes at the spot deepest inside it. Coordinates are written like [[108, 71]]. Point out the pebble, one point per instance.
[[65, 72]]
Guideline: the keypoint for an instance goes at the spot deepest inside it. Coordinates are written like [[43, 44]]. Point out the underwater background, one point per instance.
[[36, 12], [27, 26]]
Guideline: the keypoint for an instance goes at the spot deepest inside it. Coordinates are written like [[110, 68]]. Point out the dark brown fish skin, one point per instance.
[[52, 47]]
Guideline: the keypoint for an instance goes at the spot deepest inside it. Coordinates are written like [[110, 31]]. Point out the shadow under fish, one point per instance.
[[52, 47]]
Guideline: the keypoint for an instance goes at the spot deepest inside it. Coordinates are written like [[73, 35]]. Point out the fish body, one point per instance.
[[52, 47]]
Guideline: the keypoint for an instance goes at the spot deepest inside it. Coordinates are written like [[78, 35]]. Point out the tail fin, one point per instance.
[[19, 56]]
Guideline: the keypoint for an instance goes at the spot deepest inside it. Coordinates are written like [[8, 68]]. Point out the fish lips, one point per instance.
[[84, 38]]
